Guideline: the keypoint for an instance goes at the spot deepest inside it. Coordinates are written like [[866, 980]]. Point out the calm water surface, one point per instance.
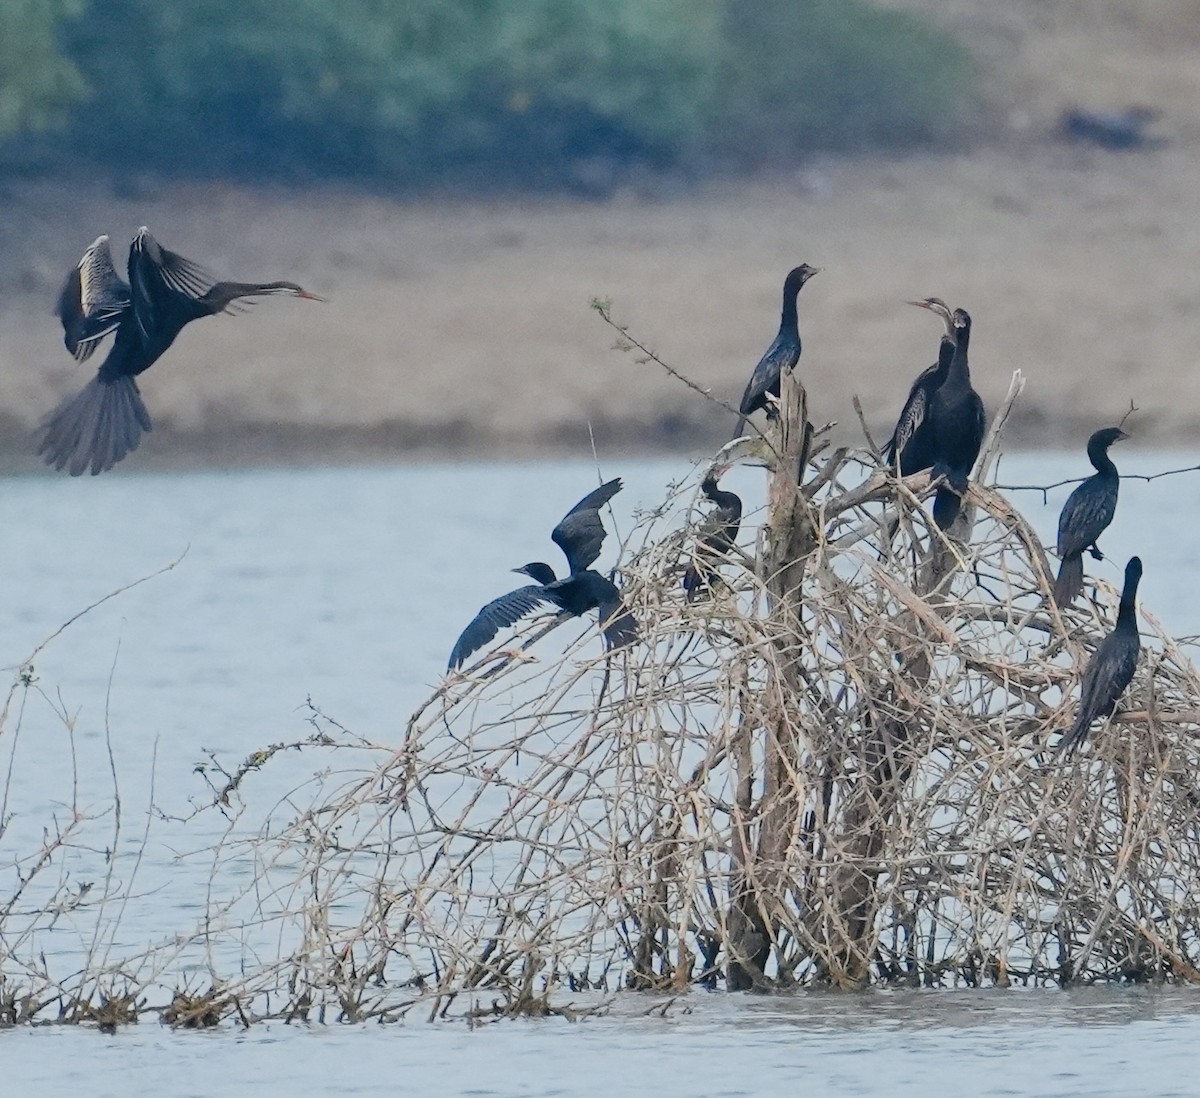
[[1089, 1044], [348, 587]]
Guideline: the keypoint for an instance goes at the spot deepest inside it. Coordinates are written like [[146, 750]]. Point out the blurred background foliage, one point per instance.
[[38, 81], [478, 92]]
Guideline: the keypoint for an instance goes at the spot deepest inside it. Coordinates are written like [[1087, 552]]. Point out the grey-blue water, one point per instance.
[[349, 586]]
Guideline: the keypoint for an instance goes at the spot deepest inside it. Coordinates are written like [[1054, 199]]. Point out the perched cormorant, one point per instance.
[[716, 535], [1112, 666], [784, 353], [104, 421], [579, 535], [1086, 515], [957, 425], [913, 437]]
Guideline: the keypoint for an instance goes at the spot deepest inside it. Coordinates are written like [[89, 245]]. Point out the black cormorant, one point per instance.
[[716, 535], [957, 423], [1112, 666], [784, 353], [913, 437], [1086, 515], [105, 421], [579, 535]]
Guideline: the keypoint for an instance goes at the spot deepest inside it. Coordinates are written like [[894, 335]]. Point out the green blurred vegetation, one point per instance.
[[478, 91], [37, 82], [837, 74]]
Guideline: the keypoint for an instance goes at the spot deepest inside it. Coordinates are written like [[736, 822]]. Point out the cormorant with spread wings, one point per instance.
[[579, 535]]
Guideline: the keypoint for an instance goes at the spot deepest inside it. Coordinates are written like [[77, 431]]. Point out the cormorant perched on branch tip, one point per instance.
[[783, 354], [1087, 514], [957, 423]]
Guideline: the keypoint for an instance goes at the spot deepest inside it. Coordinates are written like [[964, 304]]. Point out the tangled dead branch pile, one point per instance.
[[837, 767]]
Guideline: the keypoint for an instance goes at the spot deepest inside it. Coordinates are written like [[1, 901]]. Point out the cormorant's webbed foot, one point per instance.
[[1096, 554]]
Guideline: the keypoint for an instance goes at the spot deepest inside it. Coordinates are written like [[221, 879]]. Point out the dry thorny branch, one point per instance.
[[836, 768]]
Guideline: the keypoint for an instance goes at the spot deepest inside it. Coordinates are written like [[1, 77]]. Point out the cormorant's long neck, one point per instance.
[[946, 352], [1125, 613], [790, 320], [1101, 462], [727, 501], [960, 372]]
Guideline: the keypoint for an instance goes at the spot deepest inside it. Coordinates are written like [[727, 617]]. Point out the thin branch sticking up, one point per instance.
[[627, 342]]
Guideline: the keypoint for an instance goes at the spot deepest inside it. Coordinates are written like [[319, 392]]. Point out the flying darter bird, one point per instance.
[[105, 420]]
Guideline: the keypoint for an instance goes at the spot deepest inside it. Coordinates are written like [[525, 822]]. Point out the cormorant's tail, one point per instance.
[[620, 630], [96, 428], [1071, 740], [948, 501], [619, 625], [1070, 579]]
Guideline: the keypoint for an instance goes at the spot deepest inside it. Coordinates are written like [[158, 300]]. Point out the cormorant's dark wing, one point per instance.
[[173, 270], [93, 301], [581, 533], [1105, 680], [715, 536], [913, 445], [980, 426], [719, 530], [782, 355], [184, 275], [1086, 515], [1109, 673], [496, 615]]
